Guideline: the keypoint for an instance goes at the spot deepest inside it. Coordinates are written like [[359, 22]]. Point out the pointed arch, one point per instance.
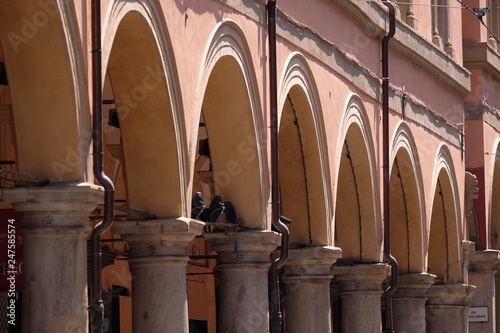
[[228, 103], [304, 178], [407, 210], [444, 251], [141, 67], [358, 229]]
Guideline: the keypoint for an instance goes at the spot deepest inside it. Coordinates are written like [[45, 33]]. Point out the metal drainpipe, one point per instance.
[[276, 317], [96, 305], [385, 129]]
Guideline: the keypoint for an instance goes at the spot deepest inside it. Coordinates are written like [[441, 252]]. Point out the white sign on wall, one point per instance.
[[478, 314]]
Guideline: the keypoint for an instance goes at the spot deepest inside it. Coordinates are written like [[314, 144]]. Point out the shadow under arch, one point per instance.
[[150, 122], [46, 74], [357, 212], [444, 251], [407, 204], [304, 180], [231, 113]]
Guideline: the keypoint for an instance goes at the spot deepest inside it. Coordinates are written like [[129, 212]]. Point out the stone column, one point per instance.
[[497, 296], [243, 267], [360, 289], [447, 308], [307, 276], [55, 228], [408, 302], [482, 275], [158, 262]]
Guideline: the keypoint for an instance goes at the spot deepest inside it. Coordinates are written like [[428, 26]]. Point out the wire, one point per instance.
[[467, 7], [480, 17], [490, 31]]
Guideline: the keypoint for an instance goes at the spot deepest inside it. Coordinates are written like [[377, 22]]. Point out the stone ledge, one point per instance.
[[482, 56], [311, 261], [483, 260], [160, 237], [53, 192], [245, 248], [454, 294]]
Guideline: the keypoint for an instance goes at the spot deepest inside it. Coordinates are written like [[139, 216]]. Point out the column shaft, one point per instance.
[[55, 229], [360, 294], [158, 263], [482, 275], [159, 295], [447, 308], [307, 276], [408, 303], [243, 267]]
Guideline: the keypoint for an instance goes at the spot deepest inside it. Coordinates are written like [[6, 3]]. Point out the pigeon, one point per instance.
[[197, 205]]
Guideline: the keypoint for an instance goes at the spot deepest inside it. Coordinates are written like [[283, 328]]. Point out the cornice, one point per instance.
[[372, 16], [483, 112], [482, 56], [408, 42]]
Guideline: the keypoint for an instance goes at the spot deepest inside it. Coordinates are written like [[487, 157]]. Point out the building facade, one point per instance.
[[186, 89]]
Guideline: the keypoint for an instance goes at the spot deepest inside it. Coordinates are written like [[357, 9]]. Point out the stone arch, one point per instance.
[[40, 42], [229, 106], [494, 220], [357, 187], [407, 203], [444, 251], [304, 180], [141, 69]]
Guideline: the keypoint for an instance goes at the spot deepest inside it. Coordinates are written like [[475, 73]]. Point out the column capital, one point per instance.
[[244, 247], [450, 294], [307, 276], [484, 260], [360, 289], [447, 306], [409, 301], [159, 237], [310, 262], [361, 276], [53, 196], [50, 206], [413, 285], [55, 227]]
